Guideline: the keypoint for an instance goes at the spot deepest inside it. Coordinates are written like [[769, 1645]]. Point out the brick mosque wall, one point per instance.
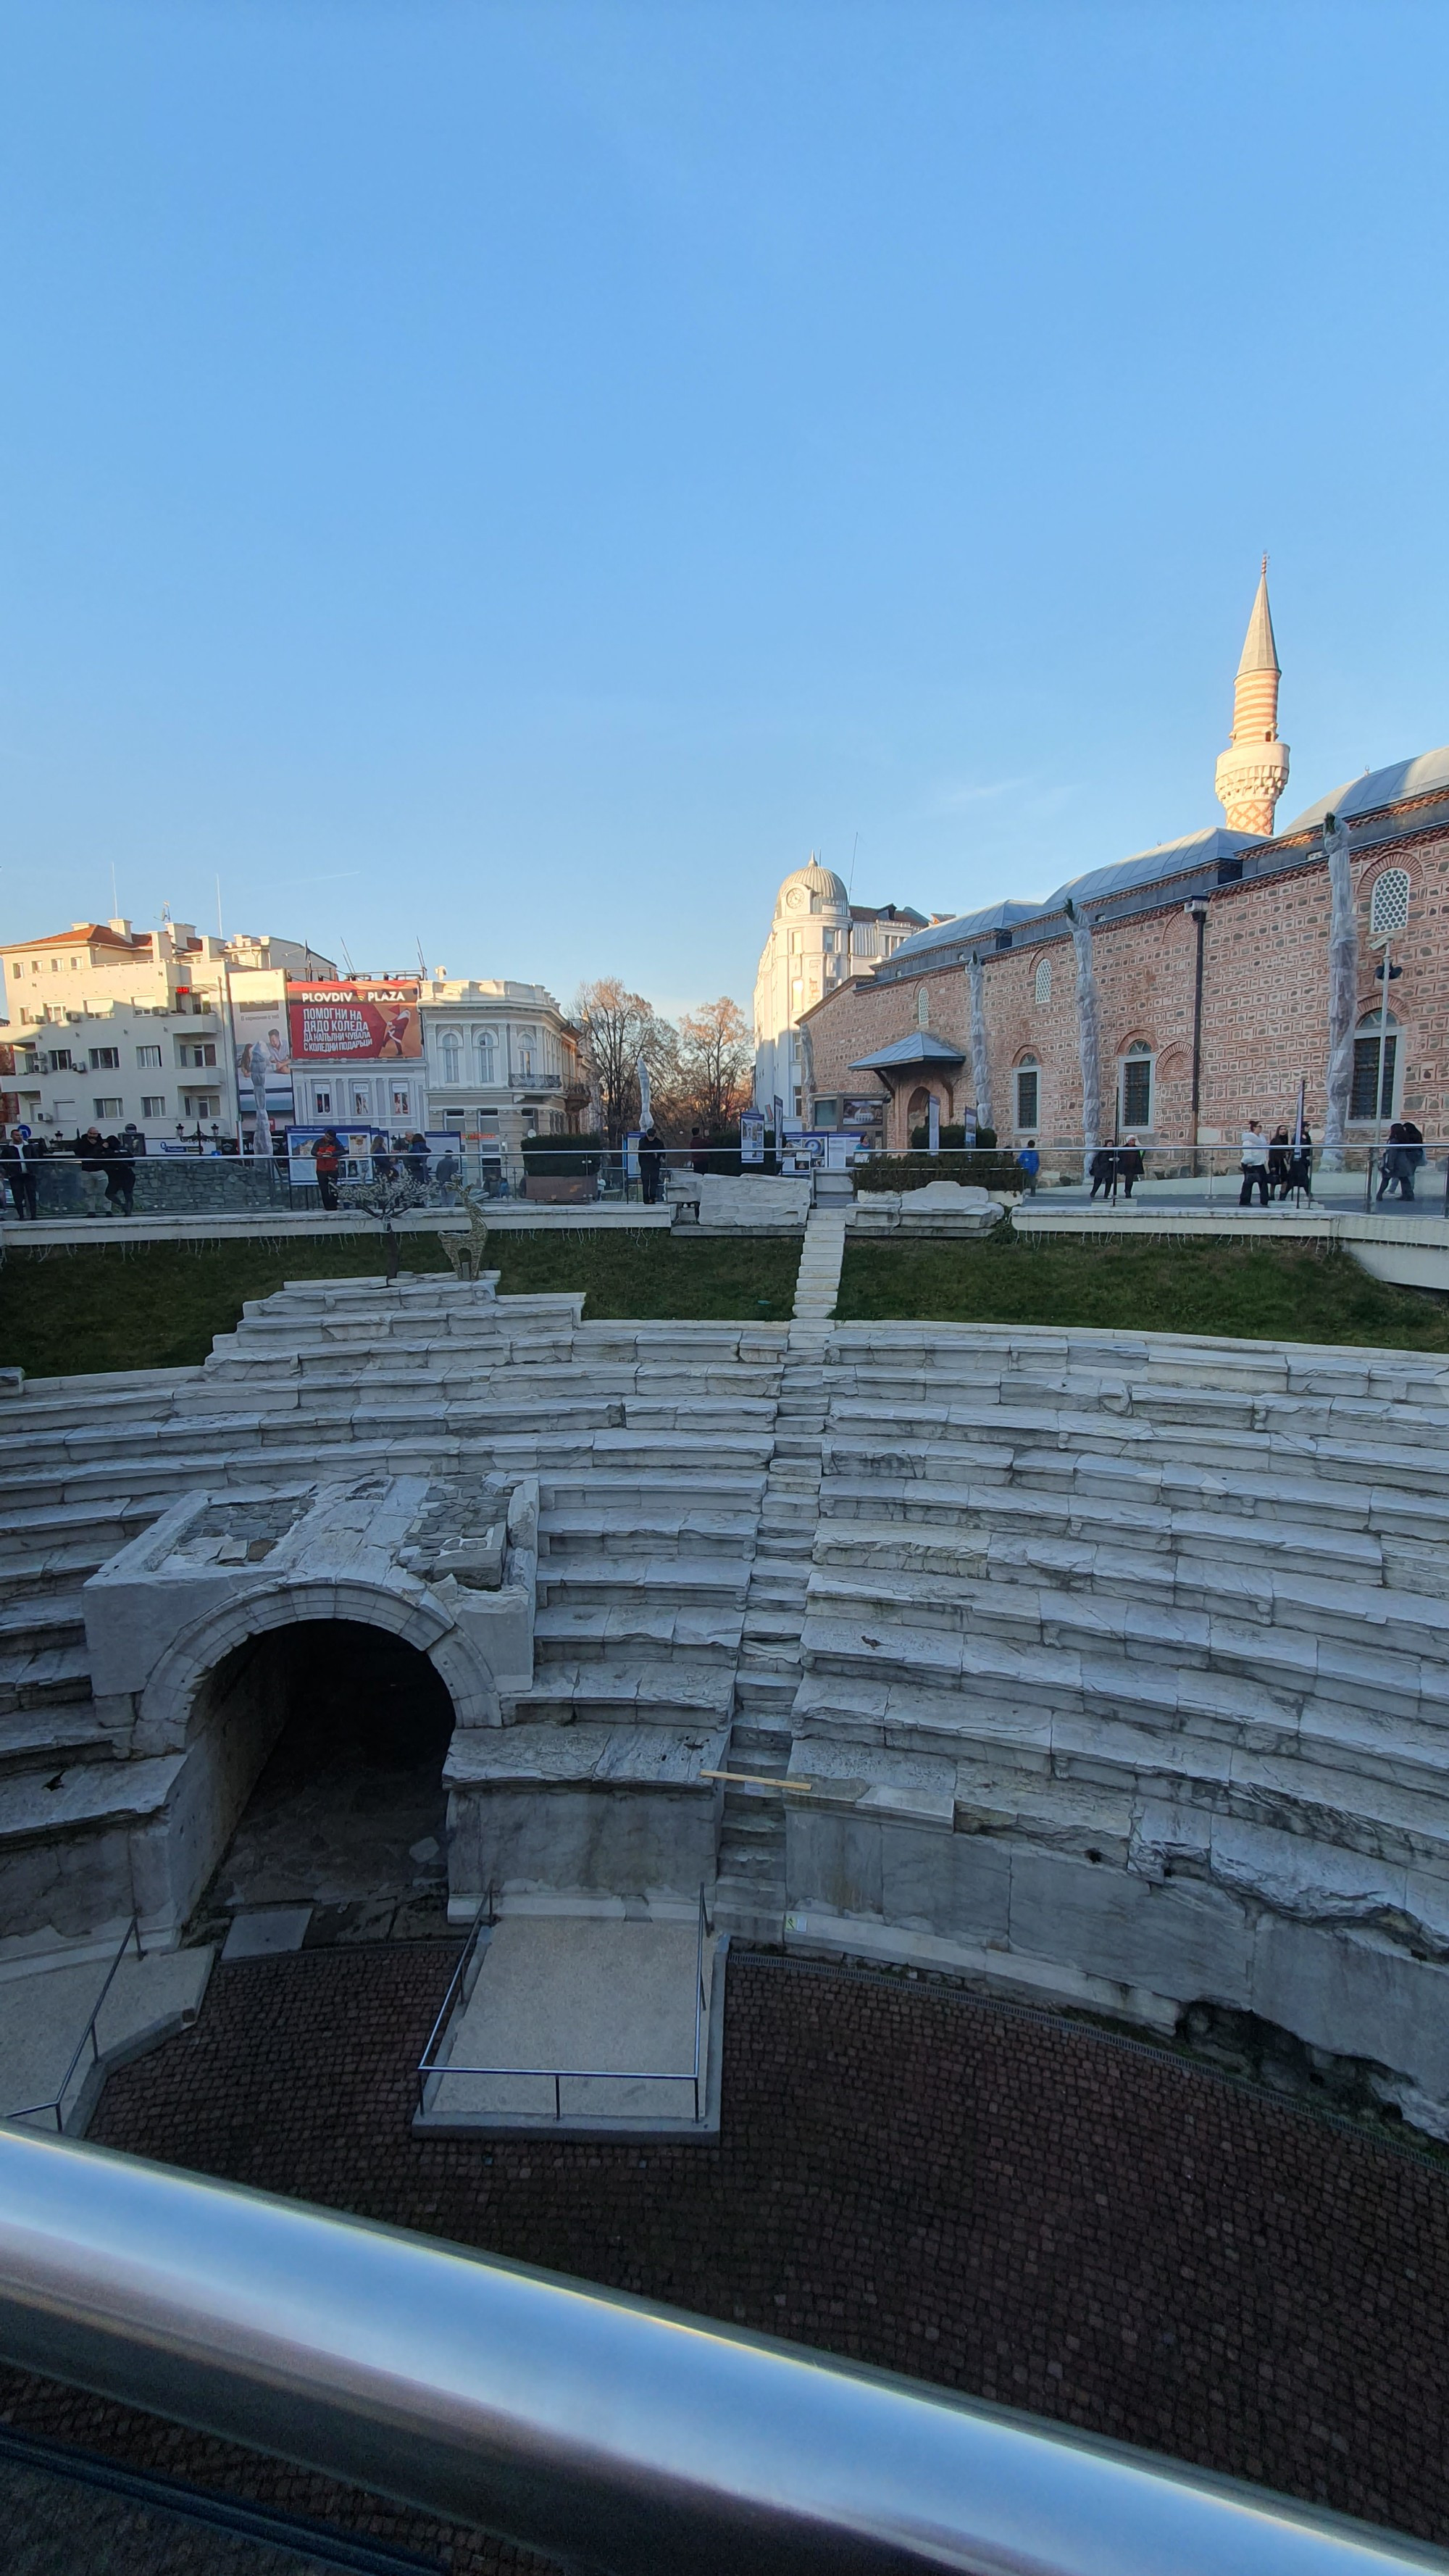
[[1265, 1008]]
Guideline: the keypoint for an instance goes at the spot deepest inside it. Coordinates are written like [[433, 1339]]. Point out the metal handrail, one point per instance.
[[591, 2427], [428, 2068], [56, 2102]]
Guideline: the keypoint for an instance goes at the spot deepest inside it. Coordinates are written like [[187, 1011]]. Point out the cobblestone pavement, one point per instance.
[[1015, 2207]]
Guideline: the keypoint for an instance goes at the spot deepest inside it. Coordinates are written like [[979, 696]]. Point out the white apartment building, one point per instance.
[[501, 1061], [818, 937], [110, 1026]]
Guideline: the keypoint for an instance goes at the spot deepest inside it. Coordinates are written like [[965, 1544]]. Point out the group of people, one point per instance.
[[1275, 1166], [1115, 1167], [390, 1162], [107, 1168]]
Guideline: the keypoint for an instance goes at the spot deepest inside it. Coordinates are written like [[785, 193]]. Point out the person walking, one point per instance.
[[1028, 1163], [651, 1164], [1279, 1167], [120, 1171], [1130, 1165], [1300, 1164], [91, 1155], [1103, 1169], [1402, 1157], [15, 1164], [327, 1163], [1254, 1164], [698, 1151]]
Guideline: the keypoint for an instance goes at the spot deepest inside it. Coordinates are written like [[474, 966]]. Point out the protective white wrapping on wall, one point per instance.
[[1342, 993], [980, 1061], [1088, 1030]]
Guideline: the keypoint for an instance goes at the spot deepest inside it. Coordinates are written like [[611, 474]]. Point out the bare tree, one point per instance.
[[618, 1027], [716, 1052]]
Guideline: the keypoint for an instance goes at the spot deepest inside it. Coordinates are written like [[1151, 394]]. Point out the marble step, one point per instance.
[[1287, 1626], [83, 1798], [40, 1620], [605, 1582], [1349, 1416], [636, 1630], [1183, 1719], [44, 1675], [611, 1691], [1299, 1495], [1242, 1582], [567, 1535], [889, 1504], [36, 1537], [50, 1738], [1019, 1434]]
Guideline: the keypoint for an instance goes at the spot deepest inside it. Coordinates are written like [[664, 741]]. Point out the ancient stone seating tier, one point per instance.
[[1106, 1669]]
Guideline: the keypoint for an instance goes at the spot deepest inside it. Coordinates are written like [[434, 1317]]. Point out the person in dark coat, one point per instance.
[[1300, 1165], [1279, 1164], [1404, 1154], [1130, 1164], [327, 1163], [120, 1171], [651, 1164], [15, 1156], [1103, 1169]]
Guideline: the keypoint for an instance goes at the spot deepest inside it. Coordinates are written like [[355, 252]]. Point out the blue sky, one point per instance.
[[516, 477]]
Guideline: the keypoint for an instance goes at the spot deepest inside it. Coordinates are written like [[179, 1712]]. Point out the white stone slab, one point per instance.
[[270, 1928]]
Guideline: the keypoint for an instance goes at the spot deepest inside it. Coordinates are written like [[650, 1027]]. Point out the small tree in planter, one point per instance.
[[385, 1199]]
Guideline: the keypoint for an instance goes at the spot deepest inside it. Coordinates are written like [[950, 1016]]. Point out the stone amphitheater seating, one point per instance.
[[1107, 1669]]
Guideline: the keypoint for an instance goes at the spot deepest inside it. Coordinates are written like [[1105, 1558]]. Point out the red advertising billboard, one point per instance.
[[355, 1023]]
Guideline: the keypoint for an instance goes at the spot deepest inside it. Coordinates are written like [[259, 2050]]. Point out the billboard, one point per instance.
[[263, 1054], [357, 1022]]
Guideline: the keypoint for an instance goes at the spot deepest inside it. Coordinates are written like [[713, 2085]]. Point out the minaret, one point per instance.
[[1253, 771]]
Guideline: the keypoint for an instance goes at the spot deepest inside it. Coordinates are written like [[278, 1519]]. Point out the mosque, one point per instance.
[[1174, 994]]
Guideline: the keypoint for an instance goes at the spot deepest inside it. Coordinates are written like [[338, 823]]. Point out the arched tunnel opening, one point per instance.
[[331, 1736]]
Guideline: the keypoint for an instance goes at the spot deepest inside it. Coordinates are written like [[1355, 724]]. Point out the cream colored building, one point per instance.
[[112, 1026], [501, 1061], [817, 939]]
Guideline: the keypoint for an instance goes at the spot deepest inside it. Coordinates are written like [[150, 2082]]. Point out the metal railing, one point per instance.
[[56, 2102], [465, 1977], [617, 2436]]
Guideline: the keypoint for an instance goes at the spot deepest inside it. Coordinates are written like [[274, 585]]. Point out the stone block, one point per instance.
[[1178, 1939]]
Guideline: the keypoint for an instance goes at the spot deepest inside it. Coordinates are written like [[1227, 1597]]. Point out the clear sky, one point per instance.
[[516, 477]]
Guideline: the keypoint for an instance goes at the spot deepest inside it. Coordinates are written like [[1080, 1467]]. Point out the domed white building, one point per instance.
[[817, 940]]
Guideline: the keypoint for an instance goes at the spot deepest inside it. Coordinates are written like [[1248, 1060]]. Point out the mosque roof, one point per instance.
[[1168, 859], [1401, 779], [966, 925]]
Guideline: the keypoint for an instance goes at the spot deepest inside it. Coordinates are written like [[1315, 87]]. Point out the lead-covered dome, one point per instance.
[[813, 889]]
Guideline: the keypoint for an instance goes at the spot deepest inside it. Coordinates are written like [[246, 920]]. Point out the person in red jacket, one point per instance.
[[327, 1163]]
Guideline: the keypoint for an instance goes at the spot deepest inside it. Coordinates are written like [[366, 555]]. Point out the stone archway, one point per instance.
[[330, 1737]]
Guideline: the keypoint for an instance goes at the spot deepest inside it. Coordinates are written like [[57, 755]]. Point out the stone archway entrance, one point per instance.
[[348, 1727]]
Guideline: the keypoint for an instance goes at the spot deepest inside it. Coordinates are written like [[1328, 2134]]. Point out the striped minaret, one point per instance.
[[1253, 771]]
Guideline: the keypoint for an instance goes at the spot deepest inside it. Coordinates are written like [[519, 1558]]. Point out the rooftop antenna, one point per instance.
[[422, 969], [221, 934], [855, 844], [115, 898], [346, 960]]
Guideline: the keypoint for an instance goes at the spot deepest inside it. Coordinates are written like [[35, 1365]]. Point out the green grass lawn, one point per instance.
[[67, 1312], [1256, 1292]]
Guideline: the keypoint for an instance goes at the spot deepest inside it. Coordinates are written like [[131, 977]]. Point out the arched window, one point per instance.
[[1041, 989], [450, 1055], [487, 1055], [1028, 1091], [923, 1006], [1374, 1043], [1134, 1085], [1389, 903]]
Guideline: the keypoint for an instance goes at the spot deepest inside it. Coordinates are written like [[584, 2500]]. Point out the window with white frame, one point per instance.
[[1375, 1066], [1389, 903], [487, 1055], [1041, 983], [321, 1100], [527, 1053], [109, 1108], [361, 1101], [105, 1059], [1028, 1093], [1134, 1085], [402, 1100], [148, 1059], [153, 1104], [450, 1055]]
